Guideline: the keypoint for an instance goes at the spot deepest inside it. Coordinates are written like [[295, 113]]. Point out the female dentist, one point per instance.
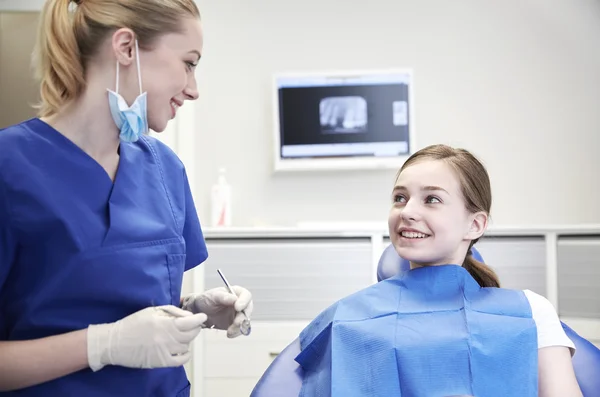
[[97, 221]]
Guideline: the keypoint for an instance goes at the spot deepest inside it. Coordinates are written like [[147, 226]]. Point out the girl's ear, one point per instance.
[[478, 225]]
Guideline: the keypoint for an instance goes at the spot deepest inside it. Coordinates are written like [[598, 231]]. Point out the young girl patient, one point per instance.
[[445, 327]]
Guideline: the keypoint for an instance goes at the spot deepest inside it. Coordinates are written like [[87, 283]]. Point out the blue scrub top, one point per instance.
[[77, 249]]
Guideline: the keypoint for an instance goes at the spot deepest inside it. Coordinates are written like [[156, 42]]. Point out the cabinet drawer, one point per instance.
[[291, 280], [579, 277], [519, 262]]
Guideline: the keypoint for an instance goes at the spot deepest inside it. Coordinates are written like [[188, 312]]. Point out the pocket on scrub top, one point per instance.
[[185, 392], [176, 266]]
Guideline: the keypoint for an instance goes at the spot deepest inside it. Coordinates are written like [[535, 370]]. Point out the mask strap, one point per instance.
[[117, 83], [137, 59]]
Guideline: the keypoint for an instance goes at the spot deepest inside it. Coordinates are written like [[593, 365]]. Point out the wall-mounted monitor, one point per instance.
[[343, 120]]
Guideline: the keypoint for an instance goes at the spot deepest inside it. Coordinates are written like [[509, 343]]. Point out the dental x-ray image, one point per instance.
[[340, 115]]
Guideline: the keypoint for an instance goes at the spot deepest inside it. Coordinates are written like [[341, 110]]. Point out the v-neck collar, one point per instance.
[[62, 139]]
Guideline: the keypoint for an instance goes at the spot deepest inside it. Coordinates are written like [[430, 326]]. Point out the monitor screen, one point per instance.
[[343, 120]]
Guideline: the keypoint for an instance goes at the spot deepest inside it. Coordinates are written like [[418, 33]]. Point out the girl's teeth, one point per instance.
[[413, 235]]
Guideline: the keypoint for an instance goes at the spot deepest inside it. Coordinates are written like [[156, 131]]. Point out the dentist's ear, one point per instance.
[[478, 225], [123, 46]]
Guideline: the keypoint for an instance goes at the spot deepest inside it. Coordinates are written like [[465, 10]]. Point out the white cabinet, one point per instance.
[[291, 279]]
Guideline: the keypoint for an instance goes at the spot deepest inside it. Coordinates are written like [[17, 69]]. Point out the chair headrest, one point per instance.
[[390, 263]]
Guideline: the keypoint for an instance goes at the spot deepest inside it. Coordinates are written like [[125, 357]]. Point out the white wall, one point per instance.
[[514, 81], [500, 78]]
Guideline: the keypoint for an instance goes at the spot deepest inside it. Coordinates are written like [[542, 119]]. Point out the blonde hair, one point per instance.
[[477, 193], [70, 33]]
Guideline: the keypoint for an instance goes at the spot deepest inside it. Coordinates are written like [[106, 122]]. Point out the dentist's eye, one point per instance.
[[190, 65]]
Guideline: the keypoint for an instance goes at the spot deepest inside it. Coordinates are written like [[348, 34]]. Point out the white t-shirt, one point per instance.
[[549, 329]]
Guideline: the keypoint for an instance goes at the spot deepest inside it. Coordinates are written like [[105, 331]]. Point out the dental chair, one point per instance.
[[283, 378]]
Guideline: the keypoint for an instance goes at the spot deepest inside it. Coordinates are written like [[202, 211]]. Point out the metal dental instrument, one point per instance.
[[245, 327]]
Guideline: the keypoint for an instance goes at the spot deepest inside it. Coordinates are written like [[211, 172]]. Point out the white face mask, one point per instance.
[[132, 121]]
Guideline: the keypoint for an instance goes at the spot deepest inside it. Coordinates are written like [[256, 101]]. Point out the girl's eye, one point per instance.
[[398, 198], [432, 200]]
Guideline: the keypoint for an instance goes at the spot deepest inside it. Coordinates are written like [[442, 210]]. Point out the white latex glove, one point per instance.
[[154, 337], [222, 308]]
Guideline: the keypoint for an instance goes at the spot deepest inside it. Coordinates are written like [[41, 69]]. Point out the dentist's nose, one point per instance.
[[191, 91]]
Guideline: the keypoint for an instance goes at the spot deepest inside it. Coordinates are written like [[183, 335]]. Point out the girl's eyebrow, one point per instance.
[[424, 188]]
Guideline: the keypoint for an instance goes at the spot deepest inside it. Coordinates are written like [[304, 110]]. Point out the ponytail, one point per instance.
[[58, 60], [482, 273]]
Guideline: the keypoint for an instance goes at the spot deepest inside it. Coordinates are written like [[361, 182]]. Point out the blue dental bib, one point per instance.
[[428, 332]]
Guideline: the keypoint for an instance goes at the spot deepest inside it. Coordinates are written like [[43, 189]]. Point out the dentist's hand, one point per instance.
[[224, 310], [154, 337]]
